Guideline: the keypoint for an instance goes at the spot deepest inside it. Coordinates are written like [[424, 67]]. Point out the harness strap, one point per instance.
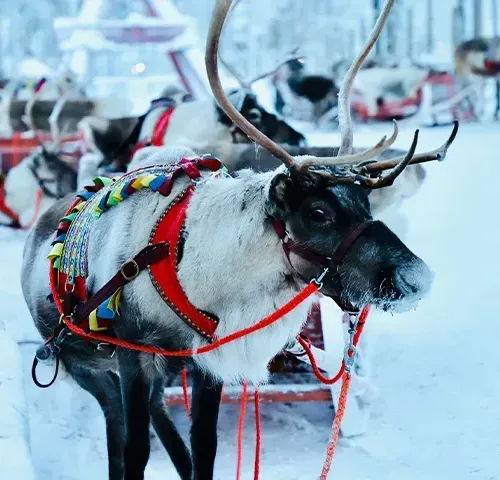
[[6, 210], [133, 136], [327, 263], [164, 273], [161, 127], [290, 246], [348, 242], [128, 272]]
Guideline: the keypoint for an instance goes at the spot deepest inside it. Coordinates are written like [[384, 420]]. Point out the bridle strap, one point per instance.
[[43, 182], [348, 242], [61, 169], [290, 246], [326, 263]]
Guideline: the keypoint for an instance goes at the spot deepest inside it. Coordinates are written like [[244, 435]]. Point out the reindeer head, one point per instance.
[[45, 167], [319, 206], [245, 101], [247, 104]]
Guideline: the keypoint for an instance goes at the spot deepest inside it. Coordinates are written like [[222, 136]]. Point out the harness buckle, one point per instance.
[[319, 279], [130, 276], [349, 359]]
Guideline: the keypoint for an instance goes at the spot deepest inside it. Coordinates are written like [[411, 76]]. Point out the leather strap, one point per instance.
[[332, 263], [290, 246], [348, 242], [128, 272]]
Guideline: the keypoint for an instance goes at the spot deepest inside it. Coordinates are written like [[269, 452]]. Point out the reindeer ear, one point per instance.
[[279, 195]]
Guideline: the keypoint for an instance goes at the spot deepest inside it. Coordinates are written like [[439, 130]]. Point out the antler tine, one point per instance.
[[388, 180], [28, 114], [243, 83], [355, 159], [211, 61], [345, 120], [291, 56], [56, 113], [437, 154]]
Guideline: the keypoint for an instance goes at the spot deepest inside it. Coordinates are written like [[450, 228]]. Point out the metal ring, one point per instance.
[[134, 275]]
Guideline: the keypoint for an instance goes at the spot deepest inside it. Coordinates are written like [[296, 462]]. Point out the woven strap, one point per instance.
[[128, 272]]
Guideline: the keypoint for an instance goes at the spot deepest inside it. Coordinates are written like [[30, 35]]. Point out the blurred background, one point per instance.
[[76, 78], [109, 41]]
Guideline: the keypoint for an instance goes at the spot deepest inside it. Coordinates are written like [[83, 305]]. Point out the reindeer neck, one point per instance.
[[230, 242]]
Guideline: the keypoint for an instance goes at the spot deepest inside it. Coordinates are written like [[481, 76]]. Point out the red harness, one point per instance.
[[164, 273], [6, 210], [159, 131], [492, 67]]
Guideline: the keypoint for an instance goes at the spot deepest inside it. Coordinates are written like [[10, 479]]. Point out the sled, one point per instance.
[[292, 378], [14, 149]]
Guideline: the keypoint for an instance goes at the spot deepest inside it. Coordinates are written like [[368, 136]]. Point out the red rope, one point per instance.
[[38, 204], [185, 393], [332, 444], [327, 381], [241, 425], [339, 415], [258, 441], [311, 289]]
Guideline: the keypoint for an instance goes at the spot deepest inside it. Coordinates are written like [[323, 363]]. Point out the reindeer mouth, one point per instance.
[[397, 290]]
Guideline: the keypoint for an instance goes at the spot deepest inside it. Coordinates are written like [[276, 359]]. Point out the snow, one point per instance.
[[435, 413]]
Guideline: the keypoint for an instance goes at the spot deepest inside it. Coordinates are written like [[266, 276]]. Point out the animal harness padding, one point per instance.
[[69, 253]]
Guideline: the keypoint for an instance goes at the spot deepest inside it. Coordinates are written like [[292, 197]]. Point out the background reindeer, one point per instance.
[[44, 176], [101, 135], [475, 61], [231, 244], [291, 82]]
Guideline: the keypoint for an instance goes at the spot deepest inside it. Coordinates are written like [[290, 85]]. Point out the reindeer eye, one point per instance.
[[318, 215]]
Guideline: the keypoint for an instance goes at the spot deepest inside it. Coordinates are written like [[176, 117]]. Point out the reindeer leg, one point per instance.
[[135, 397], [168, 434], [205, 412], [105, 387]]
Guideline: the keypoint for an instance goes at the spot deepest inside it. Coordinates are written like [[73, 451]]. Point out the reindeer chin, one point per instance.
[[396, 306]]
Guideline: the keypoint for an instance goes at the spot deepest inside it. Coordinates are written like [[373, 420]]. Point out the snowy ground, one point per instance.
[[435, 415]]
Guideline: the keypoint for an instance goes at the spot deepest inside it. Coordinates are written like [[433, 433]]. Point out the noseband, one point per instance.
[[326, 263]]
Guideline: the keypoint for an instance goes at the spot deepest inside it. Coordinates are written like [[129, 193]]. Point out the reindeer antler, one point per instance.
[[55, 131], [437, 154], [345, 121], [361, 168], [247, 84], [28, 111]]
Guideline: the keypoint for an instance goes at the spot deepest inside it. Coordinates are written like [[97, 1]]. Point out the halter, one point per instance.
[[61, 168], [326, 263]]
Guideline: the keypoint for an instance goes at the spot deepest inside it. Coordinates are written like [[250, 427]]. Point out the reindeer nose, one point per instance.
[[412, 280]]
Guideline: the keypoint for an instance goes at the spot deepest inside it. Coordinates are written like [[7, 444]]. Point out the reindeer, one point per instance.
[[181, 126], [479, 58], [234, 266], [41, 178], [318, 90]]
